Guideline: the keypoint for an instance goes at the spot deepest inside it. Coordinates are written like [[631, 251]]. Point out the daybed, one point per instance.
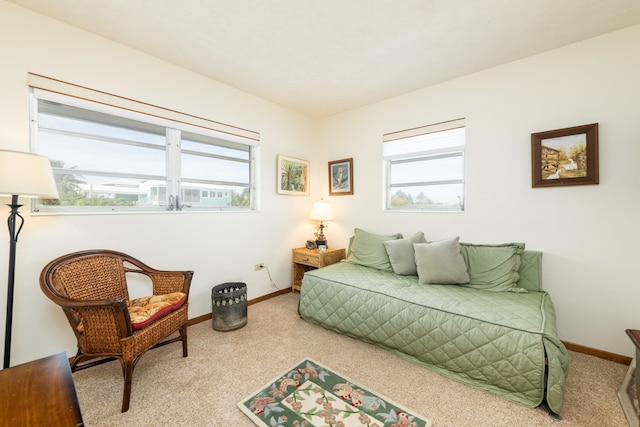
[[493, 329]]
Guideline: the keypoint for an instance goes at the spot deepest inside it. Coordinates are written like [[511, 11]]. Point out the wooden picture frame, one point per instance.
[[293, 176], [565, 156], [341, 177]]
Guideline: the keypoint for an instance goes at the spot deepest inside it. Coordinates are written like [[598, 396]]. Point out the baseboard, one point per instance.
[[269, 296], [207, 317], [612, 357]]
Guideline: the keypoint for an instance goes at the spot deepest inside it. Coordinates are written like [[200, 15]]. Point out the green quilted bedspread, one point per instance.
[[498, 342]]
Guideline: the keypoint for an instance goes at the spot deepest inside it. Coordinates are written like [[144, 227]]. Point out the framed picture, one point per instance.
[[293, 176], [341, 177], [565, 156]]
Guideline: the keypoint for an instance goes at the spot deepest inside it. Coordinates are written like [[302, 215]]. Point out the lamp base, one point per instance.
[[14, 231], [321, 239]]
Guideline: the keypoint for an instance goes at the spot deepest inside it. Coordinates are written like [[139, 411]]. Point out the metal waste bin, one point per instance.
[[229, 306]]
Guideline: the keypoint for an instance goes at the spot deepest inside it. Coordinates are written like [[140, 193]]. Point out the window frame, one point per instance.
[[420, 155], [172, 152]]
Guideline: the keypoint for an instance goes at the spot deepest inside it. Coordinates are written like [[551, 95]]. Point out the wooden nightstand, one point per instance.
[[304, 259]]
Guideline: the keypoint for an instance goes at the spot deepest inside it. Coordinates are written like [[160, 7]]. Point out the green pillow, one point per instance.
[[494, 267], [530, 271], [401, 254], [367, 249], [441, 263]]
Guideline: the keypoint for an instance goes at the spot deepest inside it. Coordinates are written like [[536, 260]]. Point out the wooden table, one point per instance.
[[39, 393], [304, 259]]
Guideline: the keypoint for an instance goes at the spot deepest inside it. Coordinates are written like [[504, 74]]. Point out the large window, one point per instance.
[[113, 159], [424, 168]]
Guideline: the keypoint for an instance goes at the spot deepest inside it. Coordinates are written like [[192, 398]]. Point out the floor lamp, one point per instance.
[[27, 175]]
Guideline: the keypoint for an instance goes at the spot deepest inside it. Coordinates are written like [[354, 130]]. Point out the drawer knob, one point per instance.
[[305, 259]]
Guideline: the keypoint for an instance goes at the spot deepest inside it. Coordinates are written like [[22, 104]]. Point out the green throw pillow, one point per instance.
[[401, 254], [368, 249], [530, 271], [441, 263], [494, 267]]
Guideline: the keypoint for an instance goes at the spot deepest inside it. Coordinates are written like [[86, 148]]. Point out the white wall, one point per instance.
[[219, 247], [589, 234]]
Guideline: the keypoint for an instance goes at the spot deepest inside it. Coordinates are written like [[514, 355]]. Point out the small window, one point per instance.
[[424, 168]]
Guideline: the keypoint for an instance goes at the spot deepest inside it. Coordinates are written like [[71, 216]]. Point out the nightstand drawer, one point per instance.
[[306, 259]]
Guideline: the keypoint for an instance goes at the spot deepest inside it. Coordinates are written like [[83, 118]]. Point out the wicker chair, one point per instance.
[[91, 288]]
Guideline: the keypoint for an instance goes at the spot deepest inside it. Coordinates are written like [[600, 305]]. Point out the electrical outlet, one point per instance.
[[258, 266]]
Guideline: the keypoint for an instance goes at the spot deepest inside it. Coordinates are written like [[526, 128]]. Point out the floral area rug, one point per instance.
[[311, 395]]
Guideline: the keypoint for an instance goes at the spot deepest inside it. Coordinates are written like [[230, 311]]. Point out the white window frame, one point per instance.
[[422, 144], [174, 122]]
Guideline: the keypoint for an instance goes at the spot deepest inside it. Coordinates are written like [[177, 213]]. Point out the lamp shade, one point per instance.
[[27, 175], [321, 211]]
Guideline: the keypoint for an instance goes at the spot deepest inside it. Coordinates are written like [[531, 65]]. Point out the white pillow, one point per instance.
[[402, 255], [441, 262]]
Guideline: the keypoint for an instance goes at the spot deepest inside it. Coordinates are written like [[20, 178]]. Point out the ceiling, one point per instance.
[[323, 57]]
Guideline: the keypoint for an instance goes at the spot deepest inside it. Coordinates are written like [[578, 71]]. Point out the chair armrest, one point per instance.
[[166, 282], [89, 317]]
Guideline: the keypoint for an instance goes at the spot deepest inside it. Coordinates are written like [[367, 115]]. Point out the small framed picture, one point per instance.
[[293, 176], [565, 156], [341, 177]]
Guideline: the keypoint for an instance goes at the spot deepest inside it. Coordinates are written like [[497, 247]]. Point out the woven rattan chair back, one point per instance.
[[90, 277]]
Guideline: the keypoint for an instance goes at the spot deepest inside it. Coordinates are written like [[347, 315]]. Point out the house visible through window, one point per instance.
[[424, 168], [111, 159]]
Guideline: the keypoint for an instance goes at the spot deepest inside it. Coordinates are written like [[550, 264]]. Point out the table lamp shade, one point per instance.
[[321, 211], [27, 175]]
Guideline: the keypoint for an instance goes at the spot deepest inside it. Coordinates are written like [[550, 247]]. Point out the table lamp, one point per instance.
[[27, 175], [321, 212]]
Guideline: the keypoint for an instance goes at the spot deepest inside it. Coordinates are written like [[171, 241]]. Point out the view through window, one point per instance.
[[424, 168], [107, 161]]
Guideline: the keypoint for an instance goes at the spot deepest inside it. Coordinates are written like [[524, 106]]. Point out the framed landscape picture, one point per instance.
[[341, 177], [565, 156], [293, 176]]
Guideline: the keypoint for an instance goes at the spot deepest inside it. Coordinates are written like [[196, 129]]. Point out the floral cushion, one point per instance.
[[145, 310]]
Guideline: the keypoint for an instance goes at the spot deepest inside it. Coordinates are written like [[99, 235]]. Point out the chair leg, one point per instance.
[[127, 370], [75, 360], [183, 336]]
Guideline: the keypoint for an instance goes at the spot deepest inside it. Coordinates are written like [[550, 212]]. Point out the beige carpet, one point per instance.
[[203, 389]]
